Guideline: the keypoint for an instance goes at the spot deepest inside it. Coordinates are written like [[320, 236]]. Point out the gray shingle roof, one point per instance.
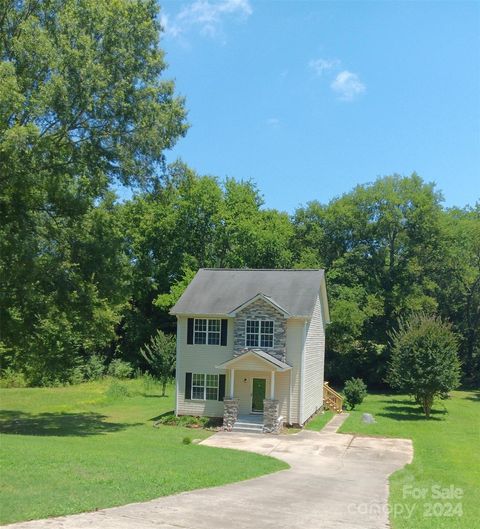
[[220, 290]]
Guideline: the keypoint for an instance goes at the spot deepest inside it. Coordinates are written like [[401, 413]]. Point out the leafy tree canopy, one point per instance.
[[424, 362], [82, 106]]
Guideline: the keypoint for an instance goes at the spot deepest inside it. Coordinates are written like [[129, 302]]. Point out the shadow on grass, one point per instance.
[[166, 414], [475, 397], [58, 424], [406, 410]]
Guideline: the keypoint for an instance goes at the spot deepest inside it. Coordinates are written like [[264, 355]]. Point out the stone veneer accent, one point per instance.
[[261, 310], [230, 413], [270, 416]]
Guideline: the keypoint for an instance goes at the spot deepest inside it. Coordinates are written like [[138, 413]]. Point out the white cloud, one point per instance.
[[205, 16], [322, 65], [273, 121], [347, 85]]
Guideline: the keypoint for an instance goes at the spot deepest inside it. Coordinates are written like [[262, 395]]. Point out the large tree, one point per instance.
[[82, 106], [380, 245]]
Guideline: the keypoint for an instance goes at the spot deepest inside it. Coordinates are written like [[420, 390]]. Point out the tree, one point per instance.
[[160, 355], [82, 107], [380, 245], [355, 391], [424, 361], [459, 284]]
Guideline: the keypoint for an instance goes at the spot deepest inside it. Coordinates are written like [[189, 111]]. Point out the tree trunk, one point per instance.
[[427, 402], [164, 385]]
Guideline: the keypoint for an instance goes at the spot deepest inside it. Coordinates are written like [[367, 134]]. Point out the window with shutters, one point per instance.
[[259, 333], [204, 387], [206, 331]]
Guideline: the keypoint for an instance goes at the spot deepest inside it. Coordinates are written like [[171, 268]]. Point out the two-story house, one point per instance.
[[251, 343]]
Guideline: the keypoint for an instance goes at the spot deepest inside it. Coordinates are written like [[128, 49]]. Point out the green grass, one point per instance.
[[318, 422], [74, 449], [446, 454]]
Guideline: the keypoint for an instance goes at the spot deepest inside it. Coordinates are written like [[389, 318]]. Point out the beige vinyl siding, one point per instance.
[[199, 359], [295, 333], [314, 364]]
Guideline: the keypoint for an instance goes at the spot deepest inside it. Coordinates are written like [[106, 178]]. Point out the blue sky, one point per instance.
[[309, 99]]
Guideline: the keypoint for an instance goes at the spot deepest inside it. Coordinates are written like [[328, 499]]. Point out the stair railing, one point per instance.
[[331, 399]]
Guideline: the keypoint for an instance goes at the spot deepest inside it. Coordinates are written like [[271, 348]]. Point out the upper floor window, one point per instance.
[[206, 331], [259, 333]]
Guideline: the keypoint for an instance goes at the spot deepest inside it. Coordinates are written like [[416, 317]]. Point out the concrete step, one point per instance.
[[246, 425], [245, 429]]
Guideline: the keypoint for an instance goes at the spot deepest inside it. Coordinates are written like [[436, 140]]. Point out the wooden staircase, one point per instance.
[[331, 399]]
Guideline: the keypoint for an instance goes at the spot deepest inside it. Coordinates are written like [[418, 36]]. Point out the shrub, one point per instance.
[[93, 368], [159, 352], [186, 440], [182, 420], [119, 368], [424, 360], [117, 390], [77, 375], [355, 391], [12, 379], [188, 421]]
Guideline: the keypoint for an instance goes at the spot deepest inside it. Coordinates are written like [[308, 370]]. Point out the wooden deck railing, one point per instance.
[[331, 399]]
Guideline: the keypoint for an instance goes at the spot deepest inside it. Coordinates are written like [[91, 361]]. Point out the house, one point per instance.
[[251, 343]]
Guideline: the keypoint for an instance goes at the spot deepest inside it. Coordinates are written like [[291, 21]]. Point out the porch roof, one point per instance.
[[271, 363]]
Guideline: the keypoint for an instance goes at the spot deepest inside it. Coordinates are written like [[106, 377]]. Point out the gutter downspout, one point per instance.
[[302, 375], [176, 373]]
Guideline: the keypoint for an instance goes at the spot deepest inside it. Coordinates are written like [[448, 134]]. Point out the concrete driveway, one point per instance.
[[335, 481]]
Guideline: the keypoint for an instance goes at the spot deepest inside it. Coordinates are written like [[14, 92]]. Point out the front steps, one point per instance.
[[248, 424]]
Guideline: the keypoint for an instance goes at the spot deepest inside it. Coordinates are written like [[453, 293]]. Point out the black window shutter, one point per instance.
[[223, 340], [188, 385], [190, 331], [221, 387]]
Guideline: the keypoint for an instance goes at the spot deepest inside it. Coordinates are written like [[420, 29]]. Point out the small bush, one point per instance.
[[77, 375], [117, 390], [119, 369], [186, 440], [94, 368], [188, 421], [137, 373], [355, 391], [12, 379]]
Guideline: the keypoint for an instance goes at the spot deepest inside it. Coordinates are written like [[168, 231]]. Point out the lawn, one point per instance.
[[80, 448], [319, 421], [446, 459]]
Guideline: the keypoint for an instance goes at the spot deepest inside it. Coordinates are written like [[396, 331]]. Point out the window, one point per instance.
[[204, 387], [213, 332], [200, 335], [207, 332], [198, 386], [252, 333], [266, 333], [259, 333]]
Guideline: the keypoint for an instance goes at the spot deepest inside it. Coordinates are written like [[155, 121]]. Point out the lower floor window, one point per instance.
[[204, 387]]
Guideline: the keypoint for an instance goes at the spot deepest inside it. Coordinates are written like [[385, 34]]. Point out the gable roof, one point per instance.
[[269, 360], [263, 297], [222, 291]]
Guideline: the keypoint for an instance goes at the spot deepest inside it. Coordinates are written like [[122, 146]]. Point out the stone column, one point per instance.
[[230, 413], [270, 416]]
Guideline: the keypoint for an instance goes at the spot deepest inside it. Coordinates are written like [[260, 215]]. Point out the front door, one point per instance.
[[258, 394]]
